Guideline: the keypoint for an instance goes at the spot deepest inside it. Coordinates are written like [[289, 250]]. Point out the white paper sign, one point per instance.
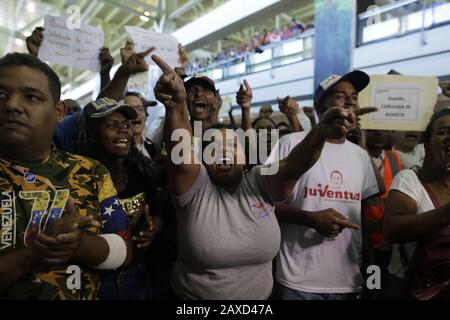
[[404, 102], [166, 46], [77, 48], [397, 102]]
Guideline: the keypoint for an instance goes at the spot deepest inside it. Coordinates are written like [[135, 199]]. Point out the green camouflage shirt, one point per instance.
[[33, 195]]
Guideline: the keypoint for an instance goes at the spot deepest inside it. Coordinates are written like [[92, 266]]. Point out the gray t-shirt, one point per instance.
[[226, 242]]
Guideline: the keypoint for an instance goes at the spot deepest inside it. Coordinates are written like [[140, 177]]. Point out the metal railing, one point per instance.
[[297, 48], [400, 18]]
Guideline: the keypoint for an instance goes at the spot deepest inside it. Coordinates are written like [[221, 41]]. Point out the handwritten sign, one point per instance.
[[77, 48], [166, 46], [404, 103]]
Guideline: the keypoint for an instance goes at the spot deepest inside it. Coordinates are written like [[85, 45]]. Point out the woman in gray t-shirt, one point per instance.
[[227, 231]]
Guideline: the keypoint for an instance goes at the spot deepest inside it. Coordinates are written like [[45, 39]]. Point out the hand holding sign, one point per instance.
[[405, 103], [34, 41], [445, 86]]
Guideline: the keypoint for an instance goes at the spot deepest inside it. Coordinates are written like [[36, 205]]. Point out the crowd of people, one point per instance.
[[255, 44], [141, 219]]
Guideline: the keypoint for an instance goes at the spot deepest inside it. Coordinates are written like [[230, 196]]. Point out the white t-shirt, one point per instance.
[[413, 158], [407, 182], [340, 179], [226, 242]]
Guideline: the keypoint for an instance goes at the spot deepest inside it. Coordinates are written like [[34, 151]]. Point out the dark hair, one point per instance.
[[23, 59], [429, 130], [262, 118], [135, 162]]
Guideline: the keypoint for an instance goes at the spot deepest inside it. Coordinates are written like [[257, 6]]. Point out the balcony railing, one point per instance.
[[400, 18], [276, 54]]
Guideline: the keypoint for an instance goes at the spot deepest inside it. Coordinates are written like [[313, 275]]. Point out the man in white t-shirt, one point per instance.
[[321, 248]]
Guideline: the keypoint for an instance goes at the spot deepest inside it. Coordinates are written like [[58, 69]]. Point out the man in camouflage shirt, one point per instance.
[[58, 211]]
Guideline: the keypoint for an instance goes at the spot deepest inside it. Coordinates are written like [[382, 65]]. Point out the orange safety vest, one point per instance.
[[373, 208]]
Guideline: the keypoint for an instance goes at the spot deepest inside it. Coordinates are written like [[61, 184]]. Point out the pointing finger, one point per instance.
[[166, 69], [347, 224], [145, 53], [362, 111], [247, 85]]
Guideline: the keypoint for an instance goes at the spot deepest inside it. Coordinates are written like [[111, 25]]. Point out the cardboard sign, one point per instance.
[[166, 45], [77, 48], [404, 103]]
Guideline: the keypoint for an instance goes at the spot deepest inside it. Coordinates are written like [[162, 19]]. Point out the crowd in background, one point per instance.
[[255, 44]]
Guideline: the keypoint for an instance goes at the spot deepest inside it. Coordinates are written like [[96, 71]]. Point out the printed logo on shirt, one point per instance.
[[332, 191], [29, 177], [7, 220], [261, 210]]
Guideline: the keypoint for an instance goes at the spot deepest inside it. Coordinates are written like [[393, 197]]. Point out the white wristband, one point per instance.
[[117, 252]]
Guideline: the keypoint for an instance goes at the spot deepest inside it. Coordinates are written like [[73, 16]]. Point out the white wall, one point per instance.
[[294, 79], [407, 54]]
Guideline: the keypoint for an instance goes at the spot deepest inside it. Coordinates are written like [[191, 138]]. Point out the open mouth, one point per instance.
[[225, 163], [121, 143], [199, 107]]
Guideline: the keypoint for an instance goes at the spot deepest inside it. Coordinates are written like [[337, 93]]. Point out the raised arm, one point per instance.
[[402, 224], [170, 91], [334, 124], [244, 99], [132, 63], [106, 63], [290, 108]]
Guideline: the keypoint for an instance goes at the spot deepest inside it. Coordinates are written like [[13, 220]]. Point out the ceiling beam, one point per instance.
[[183, 9]]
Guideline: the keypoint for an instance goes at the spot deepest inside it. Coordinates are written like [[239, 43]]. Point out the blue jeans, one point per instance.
[[285, 293]]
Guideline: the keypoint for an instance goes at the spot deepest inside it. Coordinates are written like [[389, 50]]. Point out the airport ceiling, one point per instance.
[[18, 18]]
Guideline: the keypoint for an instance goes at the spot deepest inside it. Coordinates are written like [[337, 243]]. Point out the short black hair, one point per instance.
[[24, 59]]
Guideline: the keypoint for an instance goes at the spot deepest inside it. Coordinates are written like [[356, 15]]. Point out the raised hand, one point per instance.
[[288, 106], [329, 223], [337, 122], [106, 60], [127, 51], [134, 62], [183, 59], [445, 86], [34, 41], [245, 95], [169, 89]]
